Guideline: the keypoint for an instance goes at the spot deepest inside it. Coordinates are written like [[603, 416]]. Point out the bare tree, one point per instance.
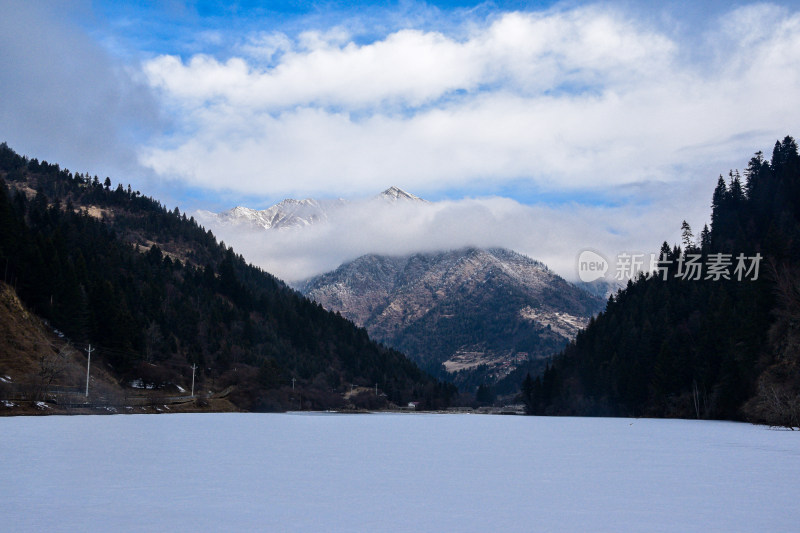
[[51, 366], [779, 405], [777, 400]]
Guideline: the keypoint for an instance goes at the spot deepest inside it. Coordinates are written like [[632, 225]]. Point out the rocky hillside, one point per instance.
[[470, 315]]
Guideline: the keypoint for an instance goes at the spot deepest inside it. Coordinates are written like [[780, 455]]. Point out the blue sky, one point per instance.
[[625, 111]]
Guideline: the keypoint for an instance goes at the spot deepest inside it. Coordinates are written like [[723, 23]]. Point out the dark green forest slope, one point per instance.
[[154, 292], [706, 348]]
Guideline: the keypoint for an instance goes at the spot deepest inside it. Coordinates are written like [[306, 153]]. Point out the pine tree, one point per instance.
[[755, 175], [719, 204], [527, 393], [686, 236], [735, 191], [705, 239]]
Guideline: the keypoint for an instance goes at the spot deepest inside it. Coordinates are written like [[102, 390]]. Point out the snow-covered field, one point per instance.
[[383, 472]]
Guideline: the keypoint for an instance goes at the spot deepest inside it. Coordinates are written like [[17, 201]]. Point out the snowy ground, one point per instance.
[[301, 472]]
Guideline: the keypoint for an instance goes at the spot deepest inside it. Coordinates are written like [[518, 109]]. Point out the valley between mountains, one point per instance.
[[470, 316]]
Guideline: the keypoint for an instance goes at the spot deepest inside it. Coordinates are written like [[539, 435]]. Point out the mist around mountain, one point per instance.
[[291, 213], [470, 315]]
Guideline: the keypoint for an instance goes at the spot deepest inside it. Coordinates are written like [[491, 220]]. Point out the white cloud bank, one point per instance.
[[554, 235], [586, 97]]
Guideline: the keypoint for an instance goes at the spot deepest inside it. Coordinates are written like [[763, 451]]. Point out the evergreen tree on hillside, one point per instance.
[[687, 238]]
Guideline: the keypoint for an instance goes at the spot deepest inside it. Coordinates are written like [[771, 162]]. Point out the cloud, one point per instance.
[[554, 235], [62, 97], [586, 97], [566, 102], [528, 53]]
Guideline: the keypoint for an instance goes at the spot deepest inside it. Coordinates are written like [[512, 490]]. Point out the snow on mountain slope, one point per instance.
[[287, 214]]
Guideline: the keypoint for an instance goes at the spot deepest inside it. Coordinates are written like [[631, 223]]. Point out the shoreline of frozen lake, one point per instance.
[[388, 472]]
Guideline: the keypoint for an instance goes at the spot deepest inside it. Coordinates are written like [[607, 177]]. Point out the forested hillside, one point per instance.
[[691, 345], [154, 292]]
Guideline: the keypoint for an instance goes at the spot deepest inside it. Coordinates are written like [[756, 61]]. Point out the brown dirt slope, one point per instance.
[[34, 359], [24, 339]]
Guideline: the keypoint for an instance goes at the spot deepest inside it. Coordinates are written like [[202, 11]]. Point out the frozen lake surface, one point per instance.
[[384, 472]]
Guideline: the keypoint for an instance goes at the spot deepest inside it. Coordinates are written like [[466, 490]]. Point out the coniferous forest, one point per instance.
[[155, 293], [672, 345]]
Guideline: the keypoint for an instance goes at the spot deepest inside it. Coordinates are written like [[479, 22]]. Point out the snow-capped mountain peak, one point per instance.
[[242, 212], [291, 213], [394, 194]]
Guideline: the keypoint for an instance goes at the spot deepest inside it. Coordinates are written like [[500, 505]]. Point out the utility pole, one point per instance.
[[194, 366], [88, 364], [293, 380]]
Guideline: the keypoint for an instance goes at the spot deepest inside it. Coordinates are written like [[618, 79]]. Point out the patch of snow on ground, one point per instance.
[[42, 405], [5, 379], [180, 389], [8, 403], [385, 472]]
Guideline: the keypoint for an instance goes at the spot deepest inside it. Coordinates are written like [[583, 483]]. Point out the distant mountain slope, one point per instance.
[[480, 312], [155, 293]]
